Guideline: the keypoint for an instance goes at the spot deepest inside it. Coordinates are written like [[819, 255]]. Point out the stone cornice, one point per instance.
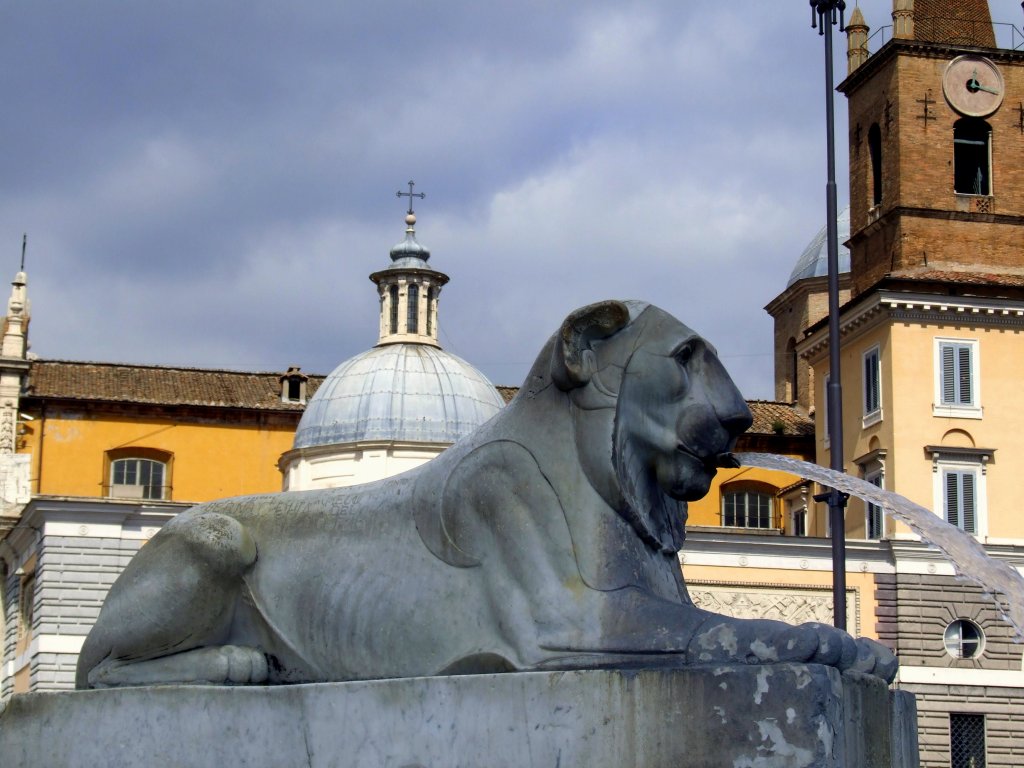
[[923, 49], [804, 286], [918, 308], [894, 214]]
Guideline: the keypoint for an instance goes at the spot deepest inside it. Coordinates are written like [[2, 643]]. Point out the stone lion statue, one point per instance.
[[547, 539]]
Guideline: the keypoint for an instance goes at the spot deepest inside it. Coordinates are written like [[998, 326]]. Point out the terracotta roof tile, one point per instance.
[[161, 385], [773, 418], [767, 416], [507, 393], [970, 278]]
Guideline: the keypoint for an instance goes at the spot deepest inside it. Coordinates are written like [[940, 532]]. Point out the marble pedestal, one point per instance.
[[744, 717]]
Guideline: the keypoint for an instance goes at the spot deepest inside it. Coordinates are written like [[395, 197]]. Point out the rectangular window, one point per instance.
[[412, 318], [137, 479], [800, 523], [393, 310], [966, 740], [872, 387], [957, 386], [747, 509], [956, 375], [972, 157], [874, 523], [960, 498]]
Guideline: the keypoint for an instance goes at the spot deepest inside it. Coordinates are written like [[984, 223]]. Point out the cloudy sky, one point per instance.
[[210, 183]]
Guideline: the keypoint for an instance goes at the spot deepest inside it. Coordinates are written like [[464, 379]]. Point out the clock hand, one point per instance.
[[979, 87]]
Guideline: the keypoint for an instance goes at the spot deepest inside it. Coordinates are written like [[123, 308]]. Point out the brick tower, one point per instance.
[[936, 148]]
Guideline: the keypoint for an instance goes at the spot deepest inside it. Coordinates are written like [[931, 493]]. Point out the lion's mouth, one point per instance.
[[724, 460], [727, 460]]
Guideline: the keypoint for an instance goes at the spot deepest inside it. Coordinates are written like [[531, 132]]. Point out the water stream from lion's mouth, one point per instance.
[[1000, 581]]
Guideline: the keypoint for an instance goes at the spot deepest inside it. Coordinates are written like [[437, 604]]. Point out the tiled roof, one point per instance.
[[507, 393], [970, 278], [161, 385], [770, 418], [773, 418]]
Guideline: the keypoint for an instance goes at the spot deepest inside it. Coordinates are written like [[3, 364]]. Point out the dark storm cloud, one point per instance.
[[210, 183]]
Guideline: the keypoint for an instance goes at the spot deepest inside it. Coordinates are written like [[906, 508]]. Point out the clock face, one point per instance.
[[973, 86]]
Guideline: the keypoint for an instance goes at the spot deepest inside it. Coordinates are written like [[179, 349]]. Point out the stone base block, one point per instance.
[[744, 717]]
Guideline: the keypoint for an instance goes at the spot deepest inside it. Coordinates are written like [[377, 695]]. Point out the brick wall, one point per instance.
[[921, 221], [797, 308], [965, 22]]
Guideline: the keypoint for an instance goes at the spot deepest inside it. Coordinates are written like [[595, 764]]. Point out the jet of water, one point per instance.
[[1003, 583]]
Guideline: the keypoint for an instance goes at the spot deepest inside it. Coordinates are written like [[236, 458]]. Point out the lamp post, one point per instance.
[[824, 15]]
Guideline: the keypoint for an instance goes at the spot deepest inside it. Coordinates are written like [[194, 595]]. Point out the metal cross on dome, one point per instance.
[[410, 194]]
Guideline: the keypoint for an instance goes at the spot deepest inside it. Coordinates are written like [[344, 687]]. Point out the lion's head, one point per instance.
[[654, 410]]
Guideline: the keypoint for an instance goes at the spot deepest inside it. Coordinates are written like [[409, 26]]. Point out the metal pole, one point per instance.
[[824, 12]]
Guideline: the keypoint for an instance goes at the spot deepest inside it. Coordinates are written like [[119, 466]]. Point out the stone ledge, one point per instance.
[[741, 716]]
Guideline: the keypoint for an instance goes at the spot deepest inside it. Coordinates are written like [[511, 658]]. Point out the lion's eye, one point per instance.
[[684, 354]]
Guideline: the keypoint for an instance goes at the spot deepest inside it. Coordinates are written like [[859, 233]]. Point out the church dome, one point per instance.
[[399, 392], [813, 262]]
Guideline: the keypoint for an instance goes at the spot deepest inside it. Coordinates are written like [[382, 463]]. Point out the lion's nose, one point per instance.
[[737, 421]]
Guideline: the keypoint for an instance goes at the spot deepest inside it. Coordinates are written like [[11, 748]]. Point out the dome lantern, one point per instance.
[[409, 288]]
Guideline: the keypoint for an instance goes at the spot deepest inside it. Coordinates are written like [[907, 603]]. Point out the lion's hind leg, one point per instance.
[[168, 618], [218, 665]]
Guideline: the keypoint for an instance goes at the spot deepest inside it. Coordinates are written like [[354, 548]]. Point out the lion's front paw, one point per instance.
[[875, 659], [751, 641], [838, 649], [759, 641]]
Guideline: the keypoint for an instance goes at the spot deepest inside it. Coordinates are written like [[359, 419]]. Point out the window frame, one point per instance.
[[430, 310], [393, 307], [947, 465], [872, 469], [872, 408], [961, 482], [412, 308], [963, 719], [875, 158], [873, 511], [747, 491], [164, 459], [956, 628], [969, 128], [954, 409]]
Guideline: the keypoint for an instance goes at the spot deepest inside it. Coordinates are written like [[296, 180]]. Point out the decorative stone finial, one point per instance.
[[856, 41]]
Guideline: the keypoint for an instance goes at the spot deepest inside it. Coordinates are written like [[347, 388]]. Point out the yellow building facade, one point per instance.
[[157, 433]]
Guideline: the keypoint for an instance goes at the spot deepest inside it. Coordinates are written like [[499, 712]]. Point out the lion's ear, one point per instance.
[[572, 359]]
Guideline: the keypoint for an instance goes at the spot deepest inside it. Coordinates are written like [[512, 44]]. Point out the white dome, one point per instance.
[[813, 262], [405, 392]]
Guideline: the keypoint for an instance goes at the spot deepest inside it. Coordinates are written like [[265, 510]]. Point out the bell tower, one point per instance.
[[936, 122]]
